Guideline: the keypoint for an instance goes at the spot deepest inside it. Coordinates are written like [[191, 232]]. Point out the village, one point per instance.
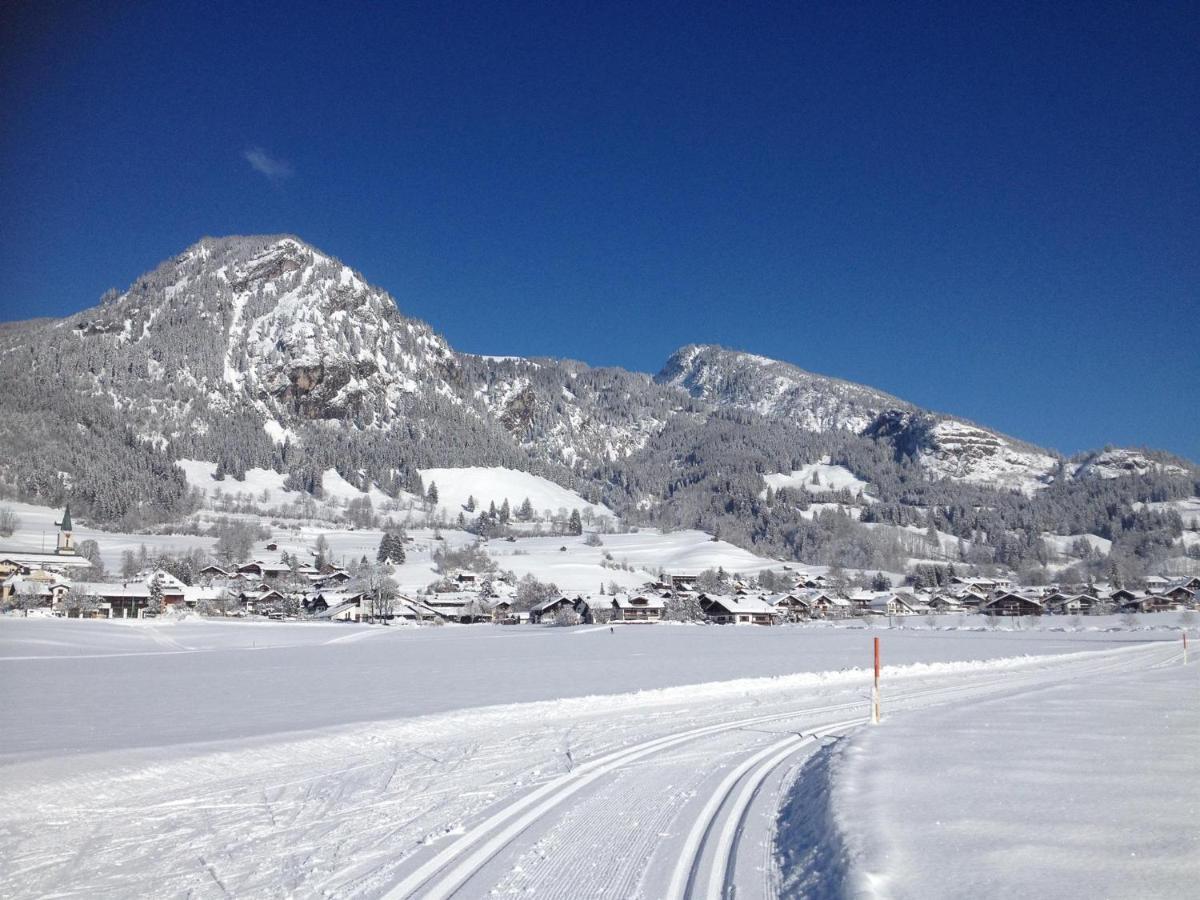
[[282, 587]]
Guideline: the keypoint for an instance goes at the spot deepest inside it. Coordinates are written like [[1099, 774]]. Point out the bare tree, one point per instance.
[[380, 591], [79, 602]]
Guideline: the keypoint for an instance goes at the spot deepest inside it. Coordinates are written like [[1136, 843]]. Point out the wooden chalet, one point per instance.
[[1122, 596], [1011, 604], [1181, 594], [887, 603], [748, 610], [259, 600], [548, 609], [828, 606], [683, 582], [945, 603], [792, 606], [260, 569], [1147, 603], [638, 608], [1059, 603]]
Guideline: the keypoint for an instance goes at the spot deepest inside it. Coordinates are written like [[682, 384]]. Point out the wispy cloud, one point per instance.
[[266, 164]]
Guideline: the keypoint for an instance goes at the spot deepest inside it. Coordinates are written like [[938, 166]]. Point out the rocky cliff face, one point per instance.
[[772, 388]]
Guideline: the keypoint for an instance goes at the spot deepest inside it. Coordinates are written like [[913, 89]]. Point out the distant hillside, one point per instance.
[[263, 352]]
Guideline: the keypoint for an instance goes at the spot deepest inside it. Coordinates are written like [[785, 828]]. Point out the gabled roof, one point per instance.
[[551, 603], [335, 597], [748, 603], [643, 601], [789, 597]]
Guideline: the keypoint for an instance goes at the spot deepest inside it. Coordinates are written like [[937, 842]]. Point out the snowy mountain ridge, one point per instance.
[[262, 352], [773, 388]]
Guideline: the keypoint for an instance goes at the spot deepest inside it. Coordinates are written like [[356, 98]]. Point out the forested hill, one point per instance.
[[264, 352]]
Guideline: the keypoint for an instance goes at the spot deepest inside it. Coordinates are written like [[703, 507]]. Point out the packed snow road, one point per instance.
[[663, 793]]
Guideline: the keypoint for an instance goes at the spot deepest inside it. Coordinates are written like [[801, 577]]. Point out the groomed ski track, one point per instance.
[[603, 830]]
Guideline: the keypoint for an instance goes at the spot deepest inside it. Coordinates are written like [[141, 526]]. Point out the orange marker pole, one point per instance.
[[1185, 648], [875, 691]]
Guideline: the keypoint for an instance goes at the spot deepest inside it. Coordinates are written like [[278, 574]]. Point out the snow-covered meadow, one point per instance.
[[239, 758], [176, 682]]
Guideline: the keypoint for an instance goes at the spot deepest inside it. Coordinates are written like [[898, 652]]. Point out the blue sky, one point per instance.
[[992, 210]]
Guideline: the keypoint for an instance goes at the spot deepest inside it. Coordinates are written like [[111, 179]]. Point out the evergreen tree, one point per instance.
[[575, 524], [155, 604]]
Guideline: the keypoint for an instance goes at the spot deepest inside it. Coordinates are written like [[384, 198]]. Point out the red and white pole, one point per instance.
[[1185, 648], [875, 690]]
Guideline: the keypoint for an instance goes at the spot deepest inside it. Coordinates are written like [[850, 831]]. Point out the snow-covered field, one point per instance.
[[244, 759], [1080, 789]]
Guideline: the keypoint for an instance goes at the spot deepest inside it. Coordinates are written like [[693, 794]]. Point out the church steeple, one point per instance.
[[66, 541]]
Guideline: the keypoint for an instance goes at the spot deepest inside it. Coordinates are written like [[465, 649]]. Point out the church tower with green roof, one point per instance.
[[66, 541]]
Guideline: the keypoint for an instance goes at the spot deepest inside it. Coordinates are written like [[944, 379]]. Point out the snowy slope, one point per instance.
[[495, 484], [828, 478]]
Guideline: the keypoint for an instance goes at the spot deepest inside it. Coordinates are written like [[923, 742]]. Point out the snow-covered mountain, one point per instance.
[[264, 353], [269, 324], [946, 447], [776, 389]]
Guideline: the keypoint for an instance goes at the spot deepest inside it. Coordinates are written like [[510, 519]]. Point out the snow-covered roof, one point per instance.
[[196, 593], [637, 601], [333, 598], [788, 597], [45, 560], [747, 603], [551, 603], [135, 589]]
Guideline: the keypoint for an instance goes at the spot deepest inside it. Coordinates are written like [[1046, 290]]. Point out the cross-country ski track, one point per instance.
[[505, 852], [596, 797]]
